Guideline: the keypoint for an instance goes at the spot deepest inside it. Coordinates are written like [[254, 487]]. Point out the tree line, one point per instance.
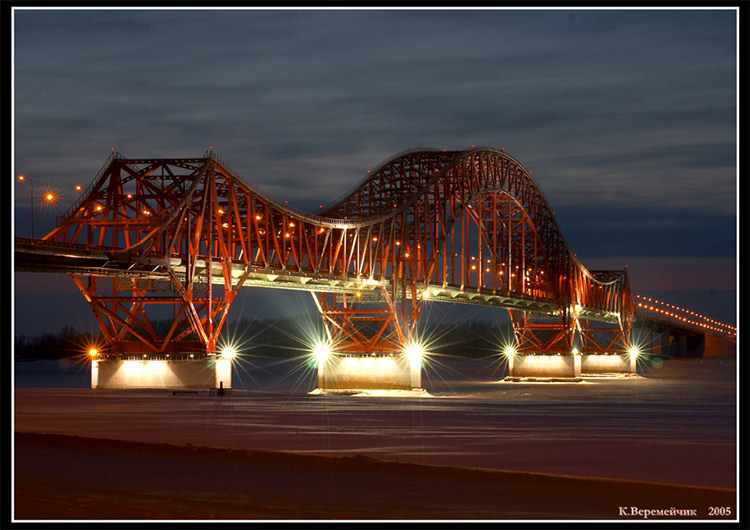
[[281, 337]]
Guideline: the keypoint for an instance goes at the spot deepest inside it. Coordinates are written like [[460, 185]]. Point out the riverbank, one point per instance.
[[70, 478]]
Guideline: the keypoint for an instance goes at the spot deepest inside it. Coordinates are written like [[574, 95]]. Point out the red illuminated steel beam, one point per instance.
[[479, 222], [466, 221]]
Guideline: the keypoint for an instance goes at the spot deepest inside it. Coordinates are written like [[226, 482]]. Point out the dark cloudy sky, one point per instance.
[[627, 118]]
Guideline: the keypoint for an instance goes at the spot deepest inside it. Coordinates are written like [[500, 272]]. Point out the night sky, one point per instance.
[[627, 118]]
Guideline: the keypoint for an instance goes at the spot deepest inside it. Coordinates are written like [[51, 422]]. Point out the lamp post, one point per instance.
[[24, 178], [49, 197]]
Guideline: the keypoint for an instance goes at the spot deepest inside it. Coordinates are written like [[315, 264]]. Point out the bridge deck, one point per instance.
[[49, 257]]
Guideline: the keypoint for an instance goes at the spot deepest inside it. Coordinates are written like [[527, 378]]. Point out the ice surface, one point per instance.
[[675, 423]]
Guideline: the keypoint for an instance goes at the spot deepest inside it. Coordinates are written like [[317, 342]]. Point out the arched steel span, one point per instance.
[[426, 192], [461, 226]]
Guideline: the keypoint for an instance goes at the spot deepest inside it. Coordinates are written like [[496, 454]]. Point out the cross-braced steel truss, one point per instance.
[[187, 234]]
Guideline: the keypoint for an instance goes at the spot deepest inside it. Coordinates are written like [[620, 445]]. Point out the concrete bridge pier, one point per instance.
[[569, 366], [671, 339], [162, 371], [551, 366], [338, 372], [613, 363]]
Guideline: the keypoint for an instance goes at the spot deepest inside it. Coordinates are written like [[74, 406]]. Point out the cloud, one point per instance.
[[672, 274], [626, 117]]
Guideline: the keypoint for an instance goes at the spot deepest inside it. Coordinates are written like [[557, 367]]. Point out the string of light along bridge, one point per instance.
[[693, 318]]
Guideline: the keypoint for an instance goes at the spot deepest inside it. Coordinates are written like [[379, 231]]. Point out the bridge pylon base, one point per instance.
[[344, 372], [614, 363], [544, 366], [160, 371]]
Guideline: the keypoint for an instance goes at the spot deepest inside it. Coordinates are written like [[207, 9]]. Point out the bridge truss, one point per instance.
[[466, 226]]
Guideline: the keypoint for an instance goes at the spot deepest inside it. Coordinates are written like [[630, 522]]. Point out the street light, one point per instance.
[[50, 198], [24, 178]]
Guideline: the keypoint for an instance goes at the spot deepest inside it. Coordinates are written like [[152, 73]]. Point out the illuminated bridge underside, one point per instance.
[[447, 226], [38, 257]]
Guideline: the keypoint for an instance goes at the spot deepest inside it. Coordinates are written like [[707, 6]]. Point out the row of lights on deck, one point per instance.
[[510, 352], [227, 353], [712, 324]]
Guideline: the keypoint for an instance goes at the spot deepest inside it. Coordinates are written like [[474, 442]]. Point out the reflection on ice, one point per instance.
[[674, 423], [417, 392]]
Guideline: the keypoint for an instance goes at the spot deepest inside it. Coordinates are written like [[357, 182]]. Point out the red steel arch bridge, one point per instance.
[[465, 226]]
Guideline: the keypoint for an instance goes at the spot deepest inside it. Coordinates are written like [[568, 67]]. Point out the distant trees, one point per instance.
[[282, 337], [64, 344]]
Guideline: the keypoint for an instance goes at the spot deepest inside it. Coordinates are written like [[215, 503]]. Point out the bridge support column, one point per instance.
[[616, 363], [355, 372], [664, 344], [171, 372], [544, 366], [368, 344], [543, 335]]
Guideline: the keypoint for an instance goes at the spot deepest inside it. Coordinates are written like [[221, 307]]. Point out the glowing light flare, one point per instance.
[[414, 352], [321, 352], [228, 352]]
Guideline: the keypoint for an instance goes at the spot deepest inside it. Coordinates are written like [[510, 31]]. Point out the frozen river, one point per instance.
[[676, 423]]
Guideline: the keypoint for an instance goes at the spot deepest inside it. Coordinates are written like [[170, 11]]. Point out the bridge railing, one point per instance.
[[684, 316], [61, 244]]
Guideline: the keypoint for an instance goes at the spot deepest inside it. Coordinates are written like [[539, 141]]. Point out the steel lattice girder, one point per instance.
[[414, 223]]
